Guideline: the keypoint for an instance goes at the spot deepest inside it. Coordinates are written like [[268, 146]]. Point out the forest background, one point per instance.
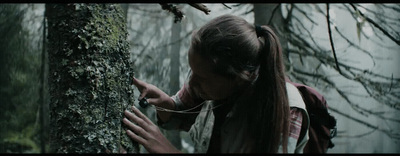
[[348, 52]]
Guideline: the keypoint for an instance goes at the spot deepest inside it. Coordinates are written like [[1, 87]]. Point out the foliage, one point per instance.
[[149, 33], [19, 83]]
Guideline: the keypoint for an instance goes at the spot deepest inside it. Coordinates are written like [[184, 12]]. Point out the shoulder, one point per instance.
[[294, 97]]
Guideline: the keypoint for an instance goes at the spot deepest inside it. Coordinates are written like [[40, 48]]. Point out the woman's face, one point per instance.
[[207, 84]]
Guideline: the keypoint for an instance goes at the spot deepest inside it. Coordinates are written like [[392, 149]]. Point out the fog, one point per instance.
[[149, 36]]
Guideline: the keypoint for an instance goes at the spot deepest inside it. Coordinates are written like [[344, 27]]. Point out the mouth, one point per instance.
[[202, 95]]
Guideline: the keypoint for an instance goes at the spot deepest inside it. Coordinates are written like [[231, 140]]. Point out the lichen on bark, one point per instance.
[[89, 78]]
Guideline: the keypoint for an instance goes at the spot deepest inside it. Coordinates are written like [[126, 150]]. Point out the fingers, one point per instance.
[[153, 101], [138, 130], [142, 95], [135, 137], [138, 83], [141, 86], [141, 115], [134, 118]]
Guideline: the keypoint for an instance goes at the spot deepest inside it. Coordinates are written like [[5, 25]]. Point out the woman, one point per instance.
[[236, 99]]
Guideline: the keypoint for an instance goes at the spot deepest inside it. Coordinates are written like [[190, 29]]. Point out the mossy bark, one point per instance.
[[89, 78]]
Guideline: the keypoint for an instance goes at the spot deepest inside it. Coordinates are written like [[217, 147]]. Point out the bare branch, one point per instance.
[[179, 40], [354, 45], [359, 135], [391, 7], [387, 132], [307, 16], [273, 13], [226, 6], [304, 29], [330, 37], [356, 107], [308, 50], [383, 16], [290, 14], [376, 25], [249, 11], [147, 44], [172, 8], [200, 7]]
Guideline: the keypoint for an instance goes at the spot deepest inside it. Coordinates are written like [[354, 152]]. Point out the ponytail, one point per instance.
[[270, 117], [236, 51]]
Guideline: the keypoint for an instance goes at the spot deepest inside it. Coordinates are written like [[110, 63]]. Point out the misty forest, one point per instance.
[[66, 69]]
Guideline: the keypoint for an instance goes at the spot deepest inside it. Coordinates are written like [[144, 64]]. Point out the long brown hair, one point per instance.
[[237, 50]]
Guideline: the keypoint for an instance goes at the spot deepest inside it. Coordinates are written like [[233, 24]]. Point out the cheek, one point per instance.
[[204, 90], [218, 91], [198, 88], [212, 90]]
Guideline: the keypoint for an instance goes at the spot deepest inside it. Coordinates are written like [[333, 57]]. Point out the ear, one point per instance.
[[253, 76], [250, 76], [246, 77]]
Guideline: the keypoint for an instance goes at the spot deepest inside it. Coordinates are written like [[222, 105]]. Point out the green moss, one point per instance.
[[94, 75], [70, 92]]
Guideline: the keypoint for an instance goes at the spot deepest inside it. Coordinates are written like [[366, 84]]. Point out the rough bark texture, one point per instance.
[[89, 78]]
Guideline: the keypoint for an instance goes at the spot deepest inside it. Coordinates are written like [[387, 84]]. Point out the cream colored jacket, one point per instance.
[[234, 136]]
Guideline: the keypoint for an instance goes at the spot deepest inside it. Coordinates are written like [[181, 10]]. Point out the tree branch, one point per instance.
[[356, 107], [172, 8], [226, 6], [273, 13], [330, 37], [200, 7], [376, 25], [388, 133]]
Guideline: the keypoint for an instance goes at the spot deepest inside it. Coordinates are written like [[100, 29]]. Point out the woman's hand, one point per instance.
[[146, 133], [154, 95]]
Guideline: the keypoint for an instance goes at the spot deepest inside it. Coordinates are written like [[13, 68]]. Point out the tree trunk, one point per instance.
[[174, 135], [174, 56], [271, 15], [125, 8], [89, 78], [42, 101]]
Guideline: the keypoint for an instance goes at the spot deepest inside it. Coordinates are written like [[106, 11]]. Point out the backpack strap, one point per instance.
[[322, 125], [294, 97], [295, 100]]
